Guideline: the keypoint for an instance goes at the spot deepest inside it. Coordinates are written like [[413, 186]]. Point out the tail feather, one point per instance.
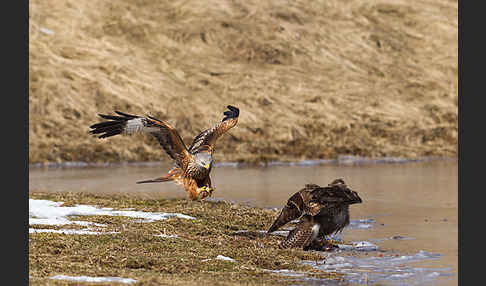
[[300, 236], [173, 175], [158, 180]]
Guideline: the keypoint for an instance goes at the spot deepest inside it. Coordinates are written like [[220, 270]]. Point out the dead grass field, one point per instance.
[[134, 252], [313, 79]]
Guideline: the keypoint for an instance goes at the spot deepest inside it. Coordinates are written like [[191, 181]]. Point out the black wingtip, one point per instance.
[[233, 112], [112, 127], [153, 118], [276, 224], [272, 228], [126, 114]]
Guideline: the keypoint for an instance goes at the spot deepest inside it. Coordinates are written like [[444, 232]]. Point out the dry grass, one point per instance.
[[136, 253], [313, 79]]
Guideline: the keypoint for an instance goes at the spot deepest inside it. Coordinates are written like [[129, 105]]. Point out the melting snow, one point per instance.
[[287, 272], [51, 213], [69, 231], [360, 246], [94, 279], [387, 270], [222, 257], [361, 224]]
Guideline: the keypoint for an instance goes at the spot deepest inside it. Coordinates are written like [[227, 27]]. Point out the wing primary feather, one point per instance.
[[124, 123], [126, 114], [153, 118], [116, 126], [292, 210], [111, 117], [210, 136], [109, 134], [106, 129], [104, 124], [233, 112]]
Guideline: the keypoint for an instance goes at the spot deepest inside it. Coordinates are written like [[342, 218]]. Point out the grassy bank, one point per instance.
[[312, 79], [135, 252]]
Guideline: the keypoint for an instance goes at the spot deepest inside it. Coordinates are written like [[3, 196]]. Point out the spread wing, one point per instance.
[[209, 136], [292, 210], [336, 193], [129, 124], [300, 203]]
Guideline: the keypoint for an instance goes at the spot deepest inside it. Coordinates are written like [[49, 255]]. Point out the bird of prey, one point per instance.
[[322, 211], [191, 165]]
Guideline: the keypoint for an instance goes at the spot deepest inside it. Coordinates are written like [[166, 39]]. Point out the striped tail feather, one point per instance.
[[300, 236]]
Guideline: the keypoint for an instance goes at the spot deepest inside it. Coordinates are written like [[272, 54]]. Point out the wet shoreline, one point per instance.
[[340, 160], [407, 223]]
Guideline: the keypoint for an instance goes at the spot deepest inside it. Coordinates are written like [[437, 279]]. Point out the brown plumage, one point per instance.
[[192, 165], [301, 236], [322, 211]]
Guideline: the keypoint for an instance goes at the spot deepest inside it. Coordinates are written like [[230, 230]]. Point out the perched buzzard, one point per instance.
[[322, 211], [192, 165]]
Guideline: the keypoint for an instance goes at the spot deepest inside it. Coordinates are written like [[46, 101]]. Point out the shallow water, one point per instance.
[[408, 209]]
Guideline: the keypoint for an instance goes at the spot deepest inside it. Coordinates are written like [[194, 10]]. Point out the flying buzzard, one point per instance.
[[192, 165], [322, 211]]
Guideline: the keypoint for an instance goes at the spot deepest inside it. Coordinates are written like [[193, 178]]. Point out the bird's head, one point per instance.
[[204, 159]]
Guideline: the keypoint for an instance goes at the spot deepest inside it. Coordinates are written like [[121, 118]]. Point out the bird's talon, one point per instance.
[[205, 191]]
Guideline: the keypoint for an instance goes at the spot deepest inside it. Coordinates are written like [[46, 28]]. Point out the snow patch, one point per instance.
[[70, 231], [222, 257], [388, 269], [94, 279], [287, 272], [359, 245], [45, 212]]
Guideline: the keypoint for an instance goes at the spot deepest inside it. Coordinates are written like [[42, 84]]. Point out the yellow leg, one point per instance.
[[211, 190], [205, 191]]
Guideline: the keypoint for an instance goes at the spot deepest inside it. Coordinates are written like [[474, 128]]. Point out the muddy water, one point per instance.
[[412, 208]]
